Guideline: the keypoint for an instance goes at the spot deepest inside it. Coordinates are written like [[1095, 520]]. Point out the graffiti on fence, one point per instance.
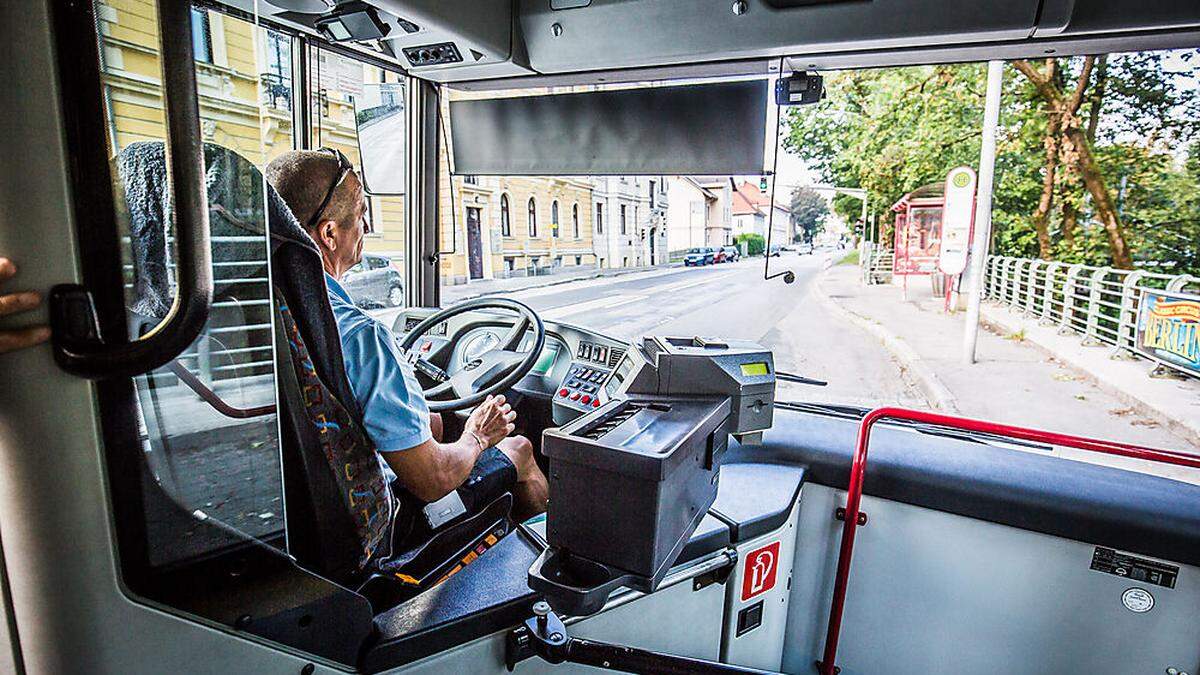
[[1168, 329]]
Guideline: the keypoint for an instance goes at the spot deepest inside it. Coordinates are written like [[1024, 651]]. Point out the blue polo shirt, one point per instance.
[[393, 405]]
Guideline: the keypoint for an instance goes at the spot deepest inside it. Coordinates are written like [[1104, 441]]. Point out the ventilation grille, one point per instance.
[[614, 356], [612, 422]]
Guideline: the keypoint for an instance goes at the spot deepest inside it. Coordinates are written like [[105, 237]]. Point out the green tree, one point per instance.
[[755, 244], [808, 212]]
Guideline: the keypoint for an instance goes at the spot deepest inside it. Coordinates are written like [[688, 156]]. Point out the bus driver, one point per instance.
[[327, 197]]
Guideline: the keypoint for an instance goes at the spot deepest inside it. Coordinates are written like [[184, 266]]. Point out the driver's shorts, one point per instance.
[[492, 476]]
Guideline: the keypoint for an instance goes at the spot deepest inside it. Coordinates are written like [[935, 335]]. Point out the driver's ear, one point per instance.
[[327, 234]]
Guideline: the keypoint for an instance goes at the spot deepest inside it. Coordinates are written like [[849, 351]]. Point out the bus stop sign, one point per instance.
[[957, 216]]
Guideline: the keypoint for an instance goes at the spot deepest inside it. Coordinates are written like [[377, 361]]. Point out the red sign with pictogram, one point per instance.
[[759, 575]]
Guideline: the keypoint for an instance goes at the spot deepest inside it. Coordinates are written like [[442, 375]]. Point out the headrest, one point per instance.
[[236, 206]]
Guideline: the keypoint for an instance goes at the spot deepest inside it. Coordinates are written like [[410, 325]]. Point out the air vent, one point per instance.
[[614, 357], [432, 55], [612, 421]]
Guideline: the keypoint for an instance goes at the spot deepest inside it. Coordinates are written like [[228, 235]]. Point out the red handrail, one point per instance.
[[858, 471]]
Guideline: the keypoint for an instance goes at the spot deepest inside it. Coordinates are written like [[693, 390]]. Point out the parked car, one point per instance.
[[699, 256], [718, 255], [731, 253], [375, 282], [804, 248], [775, 249]]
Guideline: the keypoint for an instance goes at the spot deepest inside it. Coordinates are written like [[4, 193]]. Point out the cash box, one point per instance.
[[630, 481]]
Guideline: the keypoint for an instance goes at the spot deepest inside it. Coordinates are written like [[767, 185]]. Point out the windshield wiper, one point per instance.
[[857, 413]]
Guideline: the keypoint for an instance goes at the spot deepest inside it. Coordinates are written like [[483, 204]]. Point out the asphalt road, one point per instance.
[[733, 301]]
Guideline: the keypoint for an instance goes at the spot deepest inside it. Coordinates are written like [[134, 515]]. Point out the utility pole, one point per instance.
[[973, 281]]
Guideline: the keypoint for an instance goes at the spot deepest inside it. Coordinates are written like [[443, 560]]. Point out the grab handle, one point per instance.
[[78, 346]]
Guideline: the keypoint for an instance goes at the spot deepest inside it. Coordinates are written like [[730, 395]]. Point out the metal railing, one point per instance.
[[1098, 303], [876, 262]]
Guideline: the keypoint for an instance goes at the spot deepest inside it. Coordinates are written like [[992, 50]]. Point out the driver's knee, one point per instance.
[[519, 451]]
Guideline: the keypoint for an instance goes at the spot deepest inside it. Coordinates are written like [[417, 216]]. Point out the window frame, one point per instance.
[[531, 217], [555, 230], [505, 216], [575, 219]]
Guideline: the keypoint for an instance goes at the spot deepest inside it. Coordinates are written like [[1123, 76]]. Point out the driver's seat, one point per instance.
[[344, 520], [342, 516]]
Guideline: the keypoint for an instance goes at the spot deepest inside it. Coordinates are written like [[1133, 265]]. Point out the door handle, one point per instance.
[[79, 348]]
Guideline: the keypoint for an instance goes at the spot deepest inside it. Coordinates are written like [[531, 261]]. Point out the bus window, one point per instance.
[[208, 427]]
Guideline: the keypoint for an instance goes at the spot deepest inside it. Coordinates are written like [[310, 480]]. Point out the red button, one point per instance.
[[596, 403], [586, 399], [575, 396], [563, 392]]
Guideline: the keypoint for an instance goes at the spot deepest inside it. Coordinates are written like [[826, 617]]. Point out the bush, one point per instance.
[[755, 244]]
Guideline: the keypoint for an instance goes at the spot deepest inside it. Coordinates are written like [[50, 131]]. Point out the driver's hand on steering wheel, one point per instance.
[[491, 422]]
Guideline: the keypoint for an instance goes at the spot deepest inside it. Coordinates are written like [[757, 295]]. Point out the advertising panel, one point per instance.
[[1168, 330]]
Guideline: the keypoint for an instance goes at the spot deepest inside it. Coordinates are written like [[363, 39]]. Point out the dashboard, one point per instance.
[[575, 368]]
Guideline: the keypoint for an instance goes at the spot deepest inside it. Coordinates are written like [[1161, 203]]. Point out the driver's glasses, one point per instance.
[[344, 168]]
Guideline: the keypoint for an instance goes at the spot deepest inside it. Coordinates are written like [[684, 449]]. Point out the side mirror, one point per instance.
[[380, 123]]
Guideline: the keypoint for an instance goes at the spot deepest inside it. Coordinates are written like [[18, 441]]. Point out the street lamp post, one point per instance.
[[973, 280]]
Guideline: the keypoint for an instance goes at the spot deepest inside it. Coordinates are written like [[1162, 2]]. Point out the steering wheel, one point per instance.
[[495, 371]]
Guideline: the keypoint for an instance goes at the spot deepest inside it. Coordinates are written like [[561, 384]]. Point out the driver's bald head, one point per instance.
[[302, 177]]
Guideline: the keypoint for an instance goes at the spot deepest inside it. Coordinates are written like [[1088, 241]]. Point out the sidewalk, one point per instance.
[[1013, 381], [474, 289]]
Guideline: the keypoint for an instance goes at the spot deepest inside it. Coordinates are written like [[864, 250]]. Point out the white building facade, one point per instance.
[[629, 217]]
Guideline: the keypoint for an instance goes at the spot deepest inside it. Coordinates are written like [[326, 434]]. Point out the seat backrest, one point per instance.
[[337, 502]]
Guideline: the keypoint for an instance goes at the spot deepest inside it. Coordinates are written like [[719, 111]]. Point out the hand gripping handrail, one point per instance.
[[858, 470], [80, 351]]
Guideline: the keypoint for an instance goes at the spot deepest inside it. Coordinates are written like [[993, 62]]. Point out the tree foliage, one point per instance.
[[808, 212], [1120, 134], [755, 243]]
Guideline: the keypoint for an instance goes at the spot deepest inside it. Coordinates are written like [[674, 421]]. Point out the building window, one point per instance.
[[471, 180], [622, 219], [532, 218], [599, 219], [505, 217], [510, 265], [651, 194], [554, 218], [575, 221], [201, 36], [578, 260]]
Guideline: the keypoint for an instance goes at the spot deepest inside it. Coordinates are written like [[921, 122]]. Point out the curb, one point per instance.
[[558, 282], [998, 318], [939, 396]]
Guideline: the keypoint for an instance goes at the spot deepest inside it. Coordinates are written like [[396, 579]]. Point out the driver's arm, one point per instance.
[[432, 470], [396, 416]]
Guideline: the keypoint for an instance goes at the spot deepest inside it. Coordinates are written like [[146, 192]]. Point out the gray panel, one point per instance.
[[676, 620], [636, 33], [697, 129], [932, 592]]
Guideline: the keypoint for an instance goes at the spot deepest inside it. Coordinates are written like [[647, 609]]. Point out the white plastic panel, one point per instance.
[[763, 563]]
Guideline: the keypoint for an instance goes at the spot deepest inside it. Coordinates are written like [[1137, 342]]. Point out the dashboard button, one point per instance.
[[575, 396], [596, 403], [563, 392], [586, 400]]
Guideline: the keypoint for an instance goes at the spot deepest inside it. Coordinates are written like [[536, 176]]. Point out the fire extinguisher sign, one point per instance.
[[758, 577]]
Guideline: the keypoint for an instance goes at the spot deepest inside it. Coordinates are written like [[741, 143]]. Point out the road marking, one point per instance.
[[590, 305]]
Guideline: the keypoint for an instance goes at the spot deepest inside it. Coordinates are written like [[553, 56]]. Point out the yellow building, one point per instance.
[[246, 96], [244, 82]]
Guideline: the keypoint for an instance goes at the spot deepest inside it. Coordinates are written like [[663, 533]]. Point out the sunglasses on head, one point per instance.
[[344, 167]]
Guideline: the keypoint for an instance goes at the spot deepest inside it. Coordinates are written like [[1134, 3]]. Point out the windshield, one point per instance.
[[1094, 217]]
